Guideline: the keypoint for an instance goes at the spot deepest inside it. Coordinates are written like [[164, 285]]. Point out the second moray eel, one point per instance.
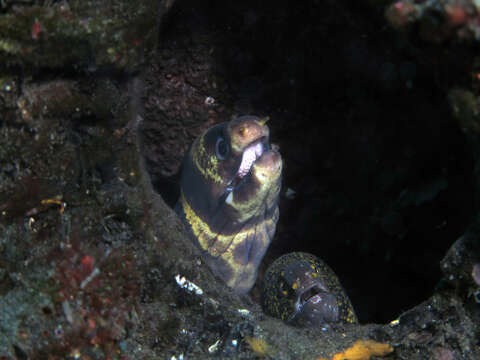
[[230, 184], [302, 290]]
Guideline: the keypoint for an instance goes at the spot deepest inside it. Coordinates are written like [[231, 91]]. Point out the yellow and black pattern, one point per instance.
[[230, 184], [301, 289]]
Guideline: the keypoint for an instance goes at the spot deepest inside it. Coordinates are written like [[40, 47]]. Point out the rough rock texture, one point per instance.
[[377, 128]]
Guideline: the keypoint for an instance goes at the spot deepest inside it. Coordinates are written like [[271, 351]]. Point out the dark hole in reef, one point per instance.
[[169, 188], [46, 310], [381, 174], [20, 354]]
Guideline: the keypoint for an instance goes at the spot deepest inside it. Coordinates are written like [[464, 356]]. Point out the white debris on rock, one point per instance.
[[188, 285], [243, 312], [180, 357], [214, 347]]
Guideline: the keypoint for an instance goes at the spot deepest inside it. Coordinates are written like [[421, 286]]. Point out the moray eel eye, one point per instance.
[[230, 185], [221, 148], [314, 298]]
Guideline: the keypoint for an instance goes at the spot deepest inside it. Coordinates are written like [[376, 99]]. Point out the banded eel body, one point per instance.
[[230, 184]]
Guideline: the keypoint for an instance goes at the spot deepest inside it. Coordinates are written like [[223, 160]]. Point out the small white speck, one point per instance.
[[8, 87], [234, 342], [229, 199], [395, 322], [67, 311], [451, 277], [290, 194], [187, 284], [214, 347], [209, 101], [89, 278], [244, 312]]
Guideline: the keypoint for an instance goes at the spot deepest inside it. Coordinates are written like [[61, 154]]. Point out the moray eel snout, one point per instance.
[[230, 185], [302, 290], [314, 303]]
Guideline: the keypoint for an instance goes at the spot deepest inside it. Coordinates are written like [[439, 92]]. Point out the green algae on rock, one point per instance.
[[88, 34]]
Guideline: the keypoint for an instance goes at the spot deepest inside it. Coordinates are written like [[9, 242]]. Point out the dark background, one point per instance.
[[381, 173]]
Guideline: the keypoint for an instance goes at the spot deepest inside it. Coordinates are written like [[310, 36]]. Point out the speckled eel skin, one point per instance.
[[302, 290], [230, 184]]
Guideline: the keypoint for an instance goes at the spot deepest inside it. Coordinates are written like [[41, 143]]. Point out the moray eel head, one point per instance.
[[302, 290], [230, 184]]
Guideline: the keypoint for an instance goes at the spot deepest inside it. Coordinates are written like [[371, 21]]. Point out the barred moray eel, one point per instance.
[[230, 184], [301, 289]]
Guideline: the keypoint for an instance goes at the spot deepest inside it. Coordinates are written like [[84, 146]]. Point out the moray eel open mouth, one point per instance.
[[230, 185], [251, 154], [311, 294], [315, 305], [302, 290]]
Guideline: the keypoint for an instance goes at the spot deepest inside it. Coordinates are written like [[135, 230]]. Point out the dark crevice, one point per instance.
[[381, 173]]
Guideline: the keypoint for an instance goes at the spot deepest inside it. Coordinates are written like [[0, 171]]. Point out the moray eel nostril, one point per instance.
[[230, 184], [302, 290]]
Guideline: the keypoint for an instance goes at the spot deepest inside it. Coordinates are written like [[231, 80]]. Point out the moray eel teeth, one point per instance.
[[250, 154], [230, 184]]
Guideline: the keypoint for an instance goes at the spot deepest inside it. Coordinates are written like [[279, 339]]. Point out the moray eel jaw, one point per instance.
[[230, 185], [261, 183], [249, 138], [315, 306], [268, 167], [249, 156], [302, 290], [318, 312]]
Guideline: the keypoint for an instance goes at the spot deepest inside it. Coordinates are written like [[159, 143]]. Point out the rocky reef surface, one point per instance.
[[374, 108]]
